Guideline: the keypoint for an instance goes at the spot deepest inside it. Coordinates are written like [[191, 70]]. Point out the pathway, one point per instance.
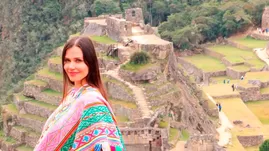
[[261, 53], [224, 134], [138, 92]]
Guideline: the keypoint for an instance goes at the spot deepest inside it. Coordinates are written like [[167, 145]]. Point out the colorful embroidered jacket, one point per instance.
[[83, 122]]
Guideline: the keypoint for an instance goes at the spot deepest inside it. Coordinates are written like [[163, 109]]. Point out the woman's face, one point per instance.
[[75, 67]]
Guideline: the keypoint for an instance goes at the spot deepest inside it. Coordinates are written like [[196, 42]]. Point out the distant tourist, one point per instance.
[[224, 81], [219, 107], [228, 81], [242, 78], [233, 87], [84, 119]]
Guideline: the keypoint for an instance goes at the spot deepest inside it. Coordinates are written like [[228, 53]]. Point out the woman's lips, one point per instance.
[[73, 73]]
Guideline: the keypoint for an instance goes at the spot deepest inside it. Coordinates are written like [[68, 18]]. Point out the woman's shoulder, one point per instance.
[[91, 95]]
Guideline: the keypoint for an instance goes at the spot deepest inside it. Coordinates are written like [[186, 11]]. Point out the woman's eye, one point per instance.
[[78, 60], [66, 60]]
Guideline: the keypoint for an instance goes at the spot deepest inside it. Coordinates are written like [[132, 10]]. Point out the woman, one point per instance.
[[84, 119]]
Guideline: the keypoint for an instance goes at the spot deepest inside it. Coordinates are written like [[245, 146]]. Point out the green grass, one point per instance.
[[262, 76], [173, 134], [235, 55], [122, 119], [184, 135], [74, 35], [43, 104], [103, 39], [24, 148], [250, 42], [56, 60], [136, 67], [54, 75], [105, 57], [264, 90], [163, 124], [10, 140], [12, 108], [37, 82], [241, 68], [126, 104], [260, 109], [206, 63], [51, 92]]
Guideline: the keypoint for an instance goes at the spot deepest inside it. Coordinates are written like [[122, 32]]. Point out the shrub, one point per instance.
[[140, 58], [265, 145]]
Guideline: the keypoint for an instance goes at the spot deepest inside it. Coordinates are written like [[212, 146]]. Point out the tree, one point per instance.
[[265, 145], [105, 7]]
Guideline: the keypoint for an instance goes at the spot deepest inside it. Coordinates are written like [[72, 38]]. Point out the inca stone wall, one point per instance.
[[248, 141], [116, 28], [134, 15], [202, 143], [139, 139], [265, 18]]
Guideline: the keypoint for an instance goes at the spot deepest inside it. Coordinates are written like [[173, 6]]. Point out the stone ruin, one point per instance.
[[265, 18], [131, 32], [203, 143]]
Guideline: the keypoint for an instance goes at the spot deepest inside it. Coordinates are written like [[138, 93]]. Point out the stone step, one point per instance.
[[32, 106], [24, 148], [34, 87], [8, 144], [25, 135], [54, 79], [55, 64], [50, 96], [26, 120]]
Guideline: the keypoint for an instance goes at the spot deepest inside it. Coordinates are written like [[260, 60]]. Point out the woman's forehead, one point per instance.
[[73, 52]]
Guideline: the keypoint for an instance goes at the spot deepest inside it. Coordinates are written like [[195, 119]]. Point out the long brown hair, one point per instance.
[[89, 56]]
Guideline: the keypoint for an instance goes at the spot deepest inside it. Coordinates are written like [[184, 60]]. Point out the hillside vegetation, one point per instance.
[[31, 29]]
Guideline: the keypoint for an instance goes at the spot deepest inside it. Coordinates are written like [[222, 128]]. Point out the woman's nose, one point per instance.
[[72, 65]]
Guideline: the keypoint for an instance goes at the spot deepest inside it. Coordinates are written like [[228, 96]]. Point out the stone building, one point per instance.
[[265, 18], [134, 15]]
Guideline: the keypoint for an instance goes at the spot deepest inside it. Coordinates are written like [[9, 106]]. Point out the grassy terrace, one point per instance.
[[241, 68], [51, 92], [250, 42], [260, 109], [236, 109], [126, 104], [137, 67], [56, 60], [206, 63], [103, 39], [235, 55], [262, 76], [220, 90], [12, 108], [24, 148], [54, 75], [122, 119], [37, 82]]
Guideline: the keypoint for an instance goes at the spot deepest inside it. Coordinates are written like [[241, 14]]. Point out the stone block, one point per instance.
[[32, 138], [37, 109], [18, 134], [51, 99], [54, 84], [248, 141], [31, 122], [33, 87], [55, 67]]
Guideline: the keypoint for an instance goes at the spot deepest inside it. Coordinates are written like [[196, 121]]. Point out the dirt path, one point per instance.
[[138, 92], [261, 53], [179, 147], [223, 130]]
